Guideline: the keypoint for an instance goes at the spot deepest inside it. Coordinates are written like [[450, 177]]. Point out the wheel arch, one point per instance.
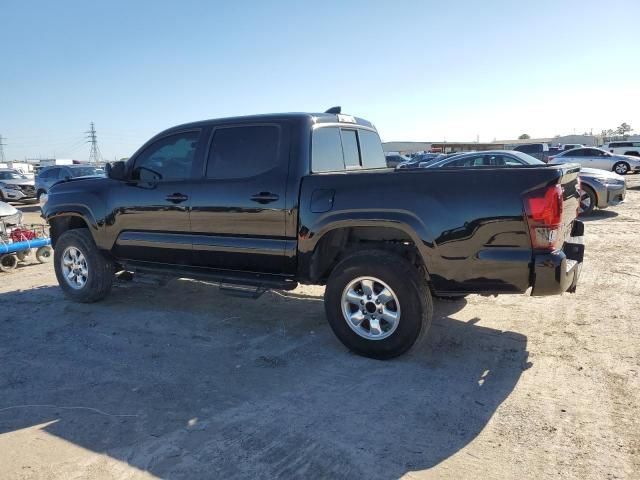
[[58, 224], [337, 241]]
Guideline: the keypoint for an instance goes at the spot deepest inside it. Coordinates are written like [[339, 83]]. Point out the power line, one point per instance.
[[2, 148], [94, 154]]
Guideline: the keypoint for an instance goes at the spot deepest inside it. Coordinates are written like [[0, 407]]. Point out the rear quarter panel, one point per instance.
[[468, 225]]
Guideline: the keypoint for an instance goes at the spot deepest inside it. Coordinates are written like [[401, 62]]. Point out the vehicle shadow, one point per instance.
[[599, 215], [183, 381]]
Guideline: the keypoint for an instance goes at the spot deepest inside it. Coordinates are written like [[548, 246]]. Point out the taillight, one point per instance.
[[544, 215]]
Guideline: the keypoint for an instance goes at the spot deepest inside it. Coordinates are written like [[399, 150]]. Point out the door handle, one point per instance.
[[177, 198], [264, 197]]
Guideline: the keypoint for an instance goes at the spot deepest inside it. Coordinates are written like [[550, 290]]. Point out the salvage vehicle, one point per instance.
[[15, 186], [267, 201], [624, 148], [600, 189], [49, 176], [10, 215], [599, 158]]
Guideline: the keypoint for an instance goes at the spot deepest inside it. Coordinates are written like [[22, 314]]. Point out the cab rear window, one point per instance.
[[337, 149]]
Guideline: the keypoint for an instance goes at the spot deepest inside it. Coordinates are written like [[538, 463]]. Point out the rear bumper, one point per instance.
[[558, 272]]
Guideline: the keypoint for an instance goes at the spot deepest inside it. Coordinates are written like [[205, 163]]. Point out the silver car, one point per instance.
[[15, 187], [599, 158], [600, 188]]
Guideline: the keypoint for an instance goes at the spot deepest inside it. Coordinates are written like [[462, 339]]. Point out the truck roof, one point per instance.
[[313, 118]]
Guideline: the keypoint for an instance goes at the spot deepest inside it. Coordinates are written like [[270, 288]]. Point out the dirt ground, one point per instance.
[[178, 380]]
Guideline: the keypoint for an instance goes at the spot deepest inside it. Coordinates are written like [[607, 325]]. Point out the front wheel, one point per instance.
[[587, 201], [621, 168], [83, 272], [377, 303]]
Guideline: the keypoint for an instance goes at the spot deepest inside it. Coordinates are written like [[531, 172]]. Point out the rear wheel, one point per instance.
[[377, 303], [621, 168], [83, 272], [587, 201]]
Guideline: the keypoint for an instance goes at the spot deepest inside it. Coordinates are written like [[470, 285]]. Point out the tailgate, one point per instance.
[[570, 196]]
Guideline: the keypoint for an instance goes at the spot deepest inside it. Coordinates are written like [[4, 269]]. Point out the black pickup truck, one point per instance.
[[268, 201]]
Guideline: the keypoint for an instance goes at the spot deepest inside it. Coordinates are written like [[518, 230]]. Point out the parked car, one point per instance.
[[570, 146], [395, 159], [553, 151], [14, 186], [489, 158], [272, 200], [536, 150], [591, 157], [600, 189], [9, 215], [623, 148], [415, 161], [49, 176]]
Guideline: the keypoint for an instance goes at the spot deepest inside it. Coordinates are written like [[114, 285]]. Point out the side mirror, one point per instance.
[[115, 170], [67, 178]]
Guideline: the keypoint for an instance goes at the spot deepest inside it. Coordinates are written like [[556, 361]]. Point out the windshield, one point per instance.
[[12, 176], [86, 171]]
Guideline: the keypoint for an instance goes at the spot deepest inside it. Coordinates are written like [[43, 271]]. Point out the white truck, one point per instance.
[[624, 147]]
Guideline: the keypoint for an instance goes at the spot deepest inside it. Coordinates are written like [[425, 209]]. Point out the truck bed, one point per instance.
[[469, 225]]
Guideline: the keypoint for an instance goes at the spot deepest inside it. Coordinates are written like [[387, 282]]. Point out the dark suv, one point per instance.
[[49, 176]]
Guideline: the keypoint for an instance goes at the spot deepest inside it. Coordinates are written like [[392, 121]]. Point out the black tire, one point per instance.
[[44, 254], [621, 168], [100, 269], [404, 279], [587, 193], [8, 262]]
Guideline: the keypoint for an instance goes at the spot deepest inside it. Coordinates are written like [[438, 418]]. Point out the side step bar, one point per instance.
[[237, 283]]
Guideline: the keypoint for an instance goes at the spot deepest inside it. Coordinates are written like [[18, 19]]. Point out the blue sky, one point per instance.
[[420, 70]]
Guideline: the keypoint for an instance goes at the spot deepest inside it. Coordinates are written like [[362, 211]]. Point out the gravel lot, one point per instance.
[[178, 380]]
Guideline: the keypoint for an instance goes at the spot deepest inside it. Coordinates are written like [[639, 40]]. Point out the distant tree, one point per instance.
[[624, 129], [524, 136]]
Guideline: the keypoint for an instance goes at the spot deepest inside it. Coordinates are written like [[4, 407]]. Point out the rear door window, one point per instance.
[[244, 151], [326, 150]]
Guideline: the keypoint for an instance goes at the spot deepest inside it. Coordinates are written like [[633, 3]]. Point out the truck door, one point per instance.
[[238, 210], [150, 212]]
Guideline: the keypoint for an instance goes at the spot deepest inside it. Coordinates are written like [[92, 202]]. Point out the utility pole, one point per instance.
[[92, 138], [2, 144]]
